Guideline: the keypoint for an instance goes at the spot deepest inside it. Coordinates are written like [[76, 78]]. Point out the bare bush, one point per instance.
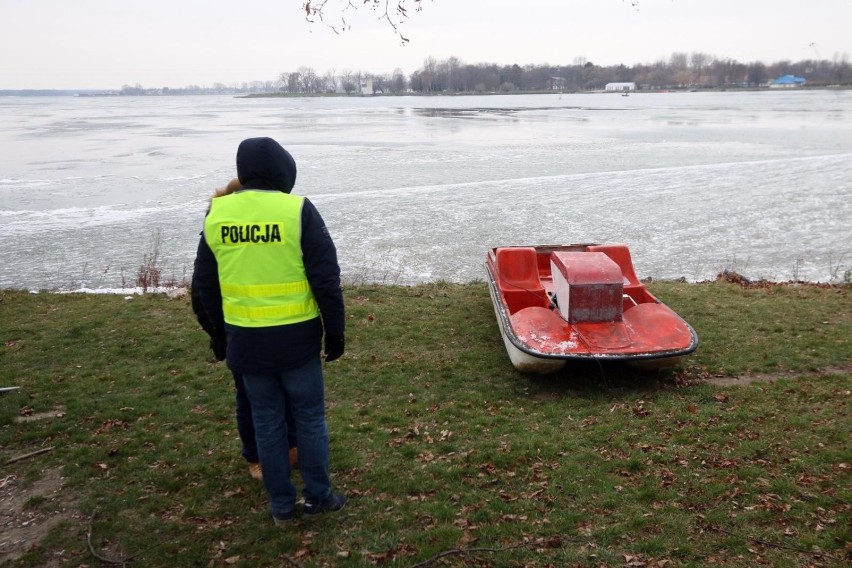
[[150, 271]]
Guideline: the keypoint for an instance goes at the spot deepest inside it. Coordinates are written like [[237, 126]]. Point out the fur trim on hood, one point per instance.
[[232, 186]]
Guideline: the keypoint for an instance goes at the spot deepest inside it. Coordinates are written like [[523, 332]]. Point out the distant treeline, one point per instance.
[[37, 92], [680, 71]]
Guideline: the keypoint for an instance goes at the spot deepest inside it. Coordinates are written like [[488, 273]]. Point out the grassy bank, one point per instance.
[[449, 457]]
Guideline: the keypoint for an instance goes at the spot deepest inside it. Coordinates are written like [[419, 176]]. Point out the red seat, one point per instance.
[[621, 255], [632, 286], [517, 269]]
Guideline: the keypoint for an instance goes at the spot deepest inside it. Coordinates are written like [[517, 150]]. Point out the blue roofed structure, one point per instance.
[[788, 81]]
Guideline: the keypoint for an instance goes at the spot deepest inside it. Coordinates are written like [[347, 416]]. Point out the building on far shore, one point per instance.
[[620, 87], [787, 82]]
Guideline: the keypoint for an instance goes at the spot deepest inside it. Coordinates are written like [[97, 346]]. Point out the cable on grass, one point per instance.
[[121, 562], [554, 541], [772, 544]]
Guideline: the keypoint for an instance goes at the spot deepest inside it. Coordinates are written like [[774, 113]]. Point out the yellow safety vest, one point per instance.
[[255, 236]]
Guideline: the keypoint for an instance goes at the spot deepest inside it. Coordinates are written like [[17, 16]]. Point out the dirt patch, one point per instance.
[[59, 413], [772, 377], [28, 512]]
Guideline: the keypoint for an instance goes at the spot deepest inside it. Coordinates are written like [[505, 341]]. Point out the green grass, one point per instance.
[[441, 446]]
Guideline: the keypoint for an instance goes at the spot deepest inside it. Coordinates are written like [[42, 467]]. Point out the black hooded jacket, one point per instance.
[[263, 164]]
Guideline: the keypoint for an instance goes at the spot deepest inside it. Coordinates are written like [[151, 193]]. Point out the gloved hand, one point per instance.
[[220, 348], [334, 346]]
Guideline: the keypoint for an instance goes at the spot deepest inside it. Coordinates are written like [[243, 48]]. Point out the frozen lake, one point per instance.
[[417, 189]]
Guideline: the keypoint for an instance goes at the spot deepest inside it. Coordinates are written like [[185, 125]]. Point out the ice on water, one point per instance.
[[416, 189]]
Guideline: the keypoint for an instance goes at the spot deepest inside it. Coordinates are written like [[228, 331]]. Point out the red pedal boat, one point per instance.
[[581, 302]]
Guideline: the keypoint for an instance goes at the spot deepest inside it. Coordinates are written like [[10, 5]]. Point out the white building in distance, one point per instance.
[[619, 87]]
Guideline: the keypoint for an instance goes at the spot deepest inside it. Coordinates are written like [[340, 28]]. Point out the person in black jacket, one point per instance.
[[245, 425], [279, 356]]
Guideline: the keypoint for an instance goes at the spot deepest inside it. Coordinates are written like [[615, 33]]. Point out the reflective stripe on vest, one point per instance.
[[255, 236]]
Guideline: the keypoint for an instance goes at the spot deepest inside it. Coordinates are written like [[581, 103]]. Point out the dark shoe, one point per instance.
[[284, 519], [334, 502]]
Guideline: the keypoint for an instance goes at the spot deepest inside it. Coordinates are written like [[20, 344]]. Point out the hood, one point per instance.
[[262, 163]]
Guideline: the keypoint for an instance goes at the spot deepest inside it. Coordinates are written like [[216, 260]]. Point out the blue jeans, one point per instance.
[[271, 395]]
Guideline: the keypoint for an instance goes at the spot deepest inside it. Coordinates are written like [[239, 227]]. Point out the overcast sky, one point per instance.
[[105, 44]]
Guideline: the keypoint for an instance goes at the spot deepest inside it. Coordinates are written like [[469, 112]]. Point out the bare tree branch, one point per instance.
[[394, 15], [29, 455]]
